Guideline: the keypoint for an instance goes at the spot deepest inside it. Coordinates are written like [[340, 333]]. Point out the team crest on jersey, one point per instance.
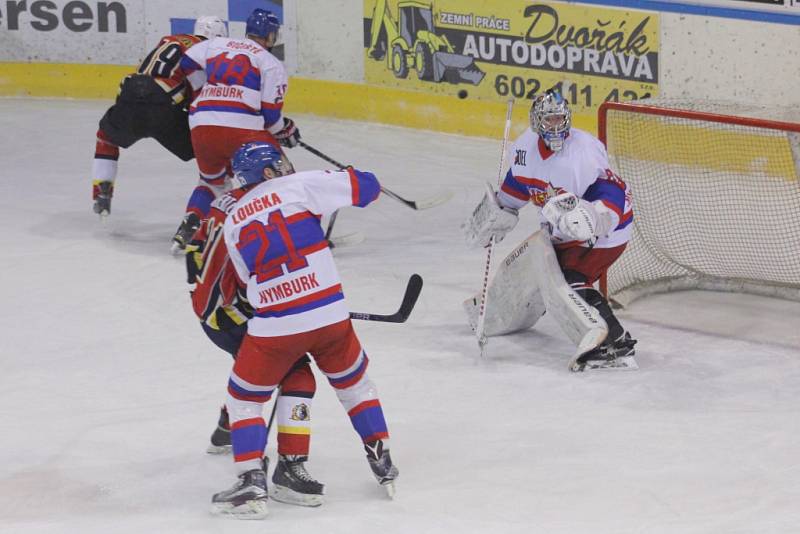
[[540, 197], [300, 412]]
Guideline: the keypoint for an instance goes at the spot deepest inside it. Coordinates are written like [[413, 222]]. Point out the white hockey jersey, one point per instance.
[[279, 250], [240, 84], [580, 167]]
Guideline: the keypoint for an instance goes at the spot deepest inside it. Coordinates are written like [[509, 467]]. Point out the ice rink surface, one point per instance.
[[110, 389]]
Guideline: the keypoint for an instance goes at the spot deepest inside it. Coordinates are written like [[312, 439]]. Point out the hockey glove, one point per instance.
[[289, 136], [578, 219], [488, 219], [185, 232], [102, 191]]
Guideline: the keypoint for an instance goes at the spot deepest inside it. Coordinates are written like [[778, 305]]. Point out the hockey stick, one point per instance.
[[480, 329], [413, 204], [413, 290]]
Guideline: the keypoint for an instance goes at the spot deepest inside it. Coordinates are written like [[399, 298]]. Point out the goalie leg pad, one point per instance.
[[514, 300], [581, 322], [595, 299]]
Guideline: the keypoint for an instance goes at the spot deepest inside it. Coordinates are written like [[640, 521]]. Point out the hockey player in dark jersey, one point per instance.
[[153, 103], [223, 310]]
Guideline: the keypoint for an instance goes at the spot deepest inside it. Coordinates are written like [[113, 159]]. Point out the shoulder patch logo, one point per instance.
[[519, 158]]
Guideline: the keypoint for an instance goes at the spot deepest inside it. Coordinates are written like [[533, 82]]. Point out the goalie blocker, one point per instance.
[[530, 282]]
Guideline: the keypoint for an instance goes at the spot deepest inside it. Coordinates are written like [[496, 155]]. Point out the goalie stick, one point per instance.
[[480, 330], [410, 297]]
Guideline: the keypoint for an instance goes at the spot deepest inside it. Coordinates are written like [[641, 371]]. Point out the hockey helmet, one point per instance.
[[551, 118], [250, 161], [210, 26], [263, 23]]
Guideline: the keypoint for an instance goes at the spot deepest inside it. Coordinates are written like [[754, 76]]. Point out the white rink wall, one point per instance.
[[701, 56]]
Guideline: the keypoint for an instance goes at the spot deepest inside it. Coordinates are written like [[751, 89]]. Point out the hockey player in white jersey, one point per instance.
[[239, 89], [565, 173], [279, 251]]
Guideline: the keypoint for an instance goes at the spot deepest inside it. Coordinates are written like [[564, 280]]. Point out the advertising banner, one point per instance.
[[759, 5], [110, 32], [493, 50]]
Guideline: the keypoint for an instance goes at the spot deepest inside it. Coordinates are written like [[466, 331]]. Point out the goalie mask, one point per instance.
[[255, 162], [551, 119]]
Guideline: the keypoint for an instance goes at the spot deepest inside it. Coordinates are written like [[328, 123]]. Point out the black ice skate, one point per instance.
[[185, 232], [102, 200], [381, 464], [291, 483], [615, 355], [221, 438], [247, 499]]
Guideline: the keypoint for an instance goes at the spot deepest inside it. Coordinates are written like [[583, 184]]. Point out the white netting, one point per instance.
[[716, 202]]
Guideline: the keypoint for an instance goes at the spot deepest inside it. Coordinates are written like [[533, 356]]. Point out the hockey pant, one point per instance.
[[214, 147], [142, 110], [298, 386], [583, 267], [263, 360]]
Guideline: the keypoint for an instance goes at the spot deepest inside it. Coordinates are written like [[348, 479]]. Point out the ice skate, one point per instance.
[[247, 499], [221, 438], [291, 483], [185, 232], [103, 191], [380, 461], [616, 355]]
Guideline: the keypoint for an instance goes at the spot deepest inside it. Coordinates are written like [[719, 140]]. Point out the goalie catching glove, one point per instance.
[[489, 219], [578, 219]]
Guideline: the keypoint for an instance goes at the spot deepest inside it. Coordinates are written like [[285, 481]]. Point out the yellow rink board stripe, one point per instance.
[[735, 149], [317, 97]]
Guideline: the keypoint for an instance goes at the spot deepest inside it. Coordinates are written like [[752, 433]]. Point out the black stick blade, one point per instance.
[[413, 289]]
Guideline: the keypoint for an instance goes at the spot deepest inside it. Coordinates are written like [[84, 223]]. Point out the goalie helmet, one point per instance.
[[250, 161], [263, 23], [551, 119], [210, 26]]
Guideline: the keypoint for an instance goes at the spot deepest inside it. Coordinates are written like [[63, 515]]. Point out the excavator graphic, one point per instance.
[[414, 43]]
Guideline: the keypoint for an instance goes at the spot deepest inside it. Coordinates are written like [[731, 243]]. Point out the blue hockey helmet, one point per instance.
[[249, 162], [263, 23], [551, 118]]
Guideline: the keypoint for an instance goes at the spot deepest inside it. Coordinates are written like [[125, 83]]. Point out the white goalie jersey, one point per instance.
[[581, 167]]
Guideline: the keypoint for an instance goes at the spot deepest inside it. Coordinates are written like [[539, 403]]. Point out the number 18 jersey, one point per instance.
[[278, 248], [239, 84]]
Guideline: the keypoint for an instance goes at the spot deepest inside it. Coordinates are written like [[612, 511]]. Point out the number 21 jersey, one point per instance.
[[279, 250]]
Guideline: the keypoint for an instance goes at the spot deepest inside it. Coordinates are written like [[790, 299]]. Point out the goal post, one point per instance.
[[716, 197]]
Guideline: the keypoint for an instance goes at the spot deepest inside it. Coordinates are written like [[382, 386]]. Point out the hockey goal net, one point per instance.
[[716, 197]]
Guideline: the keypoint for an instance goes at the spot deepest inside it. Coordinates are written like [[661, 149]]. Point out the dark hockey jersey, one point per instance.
[[217, 299], [163, 62]]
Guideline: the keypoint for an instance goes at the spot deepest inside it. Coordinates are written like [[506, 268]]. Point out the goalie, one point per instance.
[[565, 172]]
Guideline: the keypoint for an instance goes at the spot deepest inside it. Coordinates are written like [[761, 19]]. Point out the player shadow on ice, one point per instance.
[[533, 347], [140, 238], [120, 230]]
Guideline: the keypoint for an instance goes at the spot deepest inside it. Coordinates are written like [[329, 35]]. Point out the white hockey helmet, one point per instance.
[[210, 26], [551, 119]]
